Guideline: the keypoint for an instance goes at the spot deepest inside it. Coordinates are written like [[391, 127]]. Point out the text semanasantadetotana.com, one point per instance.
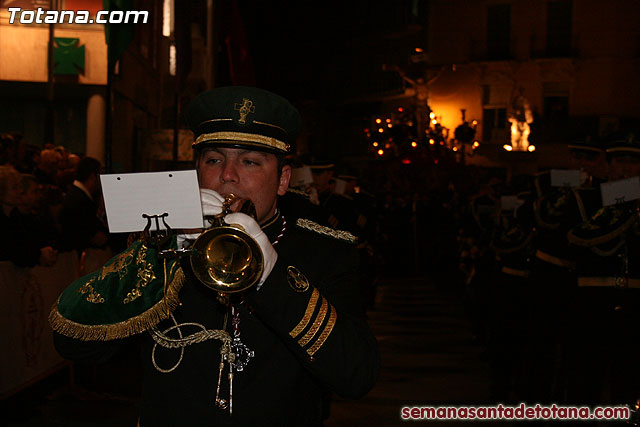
[[521, 412]]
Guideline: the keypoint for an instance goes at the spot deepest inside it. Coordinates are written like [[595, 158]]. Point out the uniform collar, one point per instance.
[[274, 227]]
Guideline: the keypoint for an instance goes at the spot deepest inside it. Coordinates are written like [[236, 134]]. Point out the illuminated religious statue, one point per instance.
[[521, 117], [420, 88]]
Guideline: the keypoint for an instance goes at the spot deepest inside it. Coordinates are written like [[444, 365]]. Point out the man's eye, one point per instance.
[[212, 161], [250, 162]]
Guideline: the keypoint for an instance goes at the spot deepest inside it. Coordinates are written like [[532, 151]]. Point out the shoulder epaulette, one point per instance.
[[298, 192], [327, 231]]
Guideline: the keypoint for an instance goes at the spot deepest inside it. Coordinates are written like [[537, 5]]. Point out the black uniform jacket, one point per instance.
[[79, 220], [306, 341]]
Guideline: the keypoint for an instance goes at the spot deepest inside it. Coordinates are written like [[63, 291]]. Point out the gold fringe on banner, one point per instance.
[[135, 325]]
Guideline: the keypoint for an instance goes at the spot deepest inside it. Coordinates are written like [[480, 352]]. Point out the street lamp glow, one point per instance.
[[378, 121], [434, 121], [380, 152], [375, 143], [431, 141], [414, 144], [432, 115], [532, 148], [507, 147], [476, 144]]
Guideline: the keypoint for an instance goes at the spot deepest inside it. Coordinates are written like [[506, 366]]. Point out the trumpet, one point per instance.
[[225, 258]]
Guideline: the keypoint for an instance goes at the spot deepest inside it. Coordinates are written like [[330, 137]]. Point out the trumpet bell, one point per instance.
[[226, 259]]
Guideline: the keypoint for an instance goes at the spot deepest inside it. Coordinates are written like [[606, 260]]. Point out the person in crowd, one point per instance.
[[33, 239], [10, 198], [47, 166], [67, 171], [7, 149], [81, 227], [265, 356]]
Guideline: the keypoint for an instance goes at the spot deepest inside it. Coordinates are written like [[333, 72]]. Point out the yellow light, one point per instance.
[[375, 143], [380, 152], [475, 122], [414, 144], [389, 125], [434, 121], [380, 130], [378, 121], [388, 120], [419, 50], [507, 147], [172, 59], [432, 115], [476, 144], [455, 148], [532, 148], [431, 141]]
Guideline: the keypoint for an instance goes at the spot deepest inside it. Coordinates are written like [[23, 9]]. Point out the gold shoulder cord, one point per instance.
[[583, 212], [327, 231]]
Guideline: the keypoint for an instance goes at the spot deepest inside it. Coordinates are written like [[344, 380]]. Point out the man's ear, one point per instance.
[[285, 176], [196, 160]]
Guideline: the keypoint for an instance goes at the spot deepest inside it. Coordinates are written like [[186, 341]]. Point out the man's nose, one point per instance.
[[229, 172]]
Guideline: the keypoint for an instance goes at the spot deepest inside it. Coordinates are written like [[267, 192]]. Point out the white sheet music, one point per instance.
[[509, 203], [565, 178], [620, 191], [129, 195]]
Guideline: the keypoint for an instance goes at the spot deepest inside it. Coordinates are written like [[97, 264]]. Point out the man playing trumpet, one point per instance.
[[265, 356]]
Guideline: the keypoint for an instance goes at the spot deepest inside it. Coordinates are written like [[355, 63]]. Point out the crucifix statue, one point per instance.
[[420, 87]]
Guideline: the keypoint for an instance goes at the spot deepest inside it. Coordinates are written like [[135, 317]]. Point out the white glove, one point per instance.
[[251, 227], [211, 205]]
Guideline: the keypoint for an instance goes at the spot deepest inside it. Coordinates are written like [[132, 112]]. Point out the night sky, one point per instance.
[[326, 57]]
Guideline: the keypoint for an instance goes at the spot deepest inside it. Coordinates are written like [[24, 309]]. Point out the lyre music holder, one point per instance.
[[157, 237]]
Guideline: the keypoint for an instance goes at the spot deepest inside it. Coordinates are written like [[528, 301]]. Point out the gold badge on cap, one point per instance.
[[297, 280], [244, 109]]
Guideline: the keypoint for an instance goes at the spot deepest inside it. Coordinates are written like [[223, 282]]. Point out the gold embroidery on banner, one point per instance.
[[145, 276], [244, 109], [245, 138], [311, 306], [316, 324], [125, 328], [93, 296], [142, 255], [119, 265], [325, 333], [327, 231]]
